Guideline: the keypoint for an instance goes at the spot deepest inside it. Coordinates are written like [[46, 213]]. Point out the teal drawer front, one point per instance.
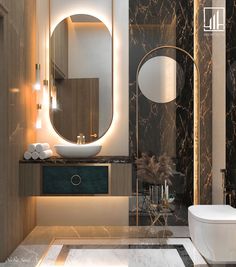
[[75, 180]]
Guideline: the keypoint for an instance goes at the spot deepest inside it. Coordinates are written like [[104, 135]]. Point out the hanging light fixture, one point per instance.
[[45, 93], [54, 104], [45, 99], [39, 117], [37, 85]]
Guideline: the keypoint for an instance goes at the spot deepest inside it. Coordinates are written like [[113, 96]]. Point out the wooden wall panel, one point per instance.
[[30, 179], [121, 182], [59, 50], [17, 117], [78, 101]]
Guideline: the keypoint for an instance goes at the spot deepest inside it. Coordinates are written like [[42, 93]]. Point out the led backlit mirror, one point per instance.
[[81, 88]]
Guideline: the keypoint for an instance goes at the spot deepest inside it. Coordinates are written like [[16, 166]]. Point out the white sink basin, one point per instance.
[[77, 151]]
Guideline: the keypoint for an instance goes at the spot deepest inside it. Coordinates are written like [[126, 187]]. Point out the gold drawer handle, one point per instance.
[[75, 183], [93, 135]]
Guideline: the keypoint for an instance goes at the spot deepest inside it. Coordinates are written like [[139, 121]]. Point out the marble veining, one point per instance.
[[164, 128], [231, 94], [162, 257], [99, 159]]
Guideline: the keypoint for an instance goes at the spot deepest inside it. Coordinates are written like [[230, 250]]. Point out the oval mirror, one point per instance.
[[81, 78], [158, 79]]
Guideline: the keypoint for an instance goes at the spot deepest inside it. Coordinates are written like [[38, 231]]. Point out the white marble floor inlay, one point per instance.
[[124, 258], [132, 252]]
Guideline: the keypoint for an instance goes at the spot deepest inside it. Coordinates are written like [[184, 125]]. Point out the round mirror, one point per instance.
[[158, 79], [81, 78]]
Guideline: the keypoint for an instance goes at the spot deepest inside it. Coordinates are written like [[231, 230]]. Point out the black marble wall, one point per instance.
[[231, 92], [165, 128], [203, 57]]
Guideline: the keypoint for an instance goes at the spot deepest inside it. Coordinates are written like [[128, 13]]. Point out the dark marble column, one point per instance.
[[164, 128], [231, 92]]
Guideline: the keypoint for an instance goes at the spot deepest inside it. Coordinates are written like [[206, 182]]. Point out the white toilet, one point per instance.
[[213, 232]]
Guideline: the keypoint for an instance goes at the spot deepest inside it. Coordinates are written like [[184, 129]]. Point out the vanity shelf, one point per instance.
[[66, 177]]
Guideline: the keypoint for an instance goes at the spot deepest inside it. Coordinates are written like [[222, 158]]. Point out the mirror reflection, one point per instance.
[[81, 79], [158, 79]]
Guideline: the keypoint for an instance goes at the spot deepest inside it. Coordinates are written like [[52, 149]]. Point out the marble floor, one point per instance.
[[127, 252], [42, 241]]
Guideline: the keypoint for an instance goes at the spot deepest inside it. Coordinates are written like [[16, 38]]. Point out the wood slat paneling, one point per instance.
[[17, 117], [78, 101], [121, 182], [30, 180], [59, 50]]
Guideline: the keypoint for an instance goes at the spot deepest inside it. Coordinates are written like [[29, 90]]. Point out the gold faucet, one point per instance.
[[80, 139]]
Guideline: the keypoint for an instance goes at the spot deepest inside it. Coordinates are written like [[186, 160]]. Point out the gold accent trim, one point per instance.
[[46, 252], [72, 178], [62, 256], [196, 182], [196, 119]]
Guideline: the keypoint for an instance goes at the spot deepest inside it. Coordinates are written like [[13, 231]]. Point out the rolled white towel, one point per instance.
[[35, 155], [45, 154], [27, 155], [42, 147], [32, 147]]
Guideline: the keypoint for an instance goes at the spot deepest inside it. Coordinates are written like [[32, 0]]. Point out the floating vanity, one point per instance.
[[100, 176]]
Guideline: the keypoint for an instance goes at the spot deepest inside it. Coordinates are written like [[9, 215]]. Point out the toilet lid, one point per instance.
[[213, 213]]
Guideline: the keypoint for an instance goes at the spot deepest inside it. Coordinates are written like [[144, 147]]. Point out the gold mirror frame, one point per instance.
[[196, 118]]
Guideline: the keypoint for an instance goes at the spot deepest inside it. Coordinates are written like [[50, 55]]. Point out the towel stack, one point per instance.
[[38, 151]]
